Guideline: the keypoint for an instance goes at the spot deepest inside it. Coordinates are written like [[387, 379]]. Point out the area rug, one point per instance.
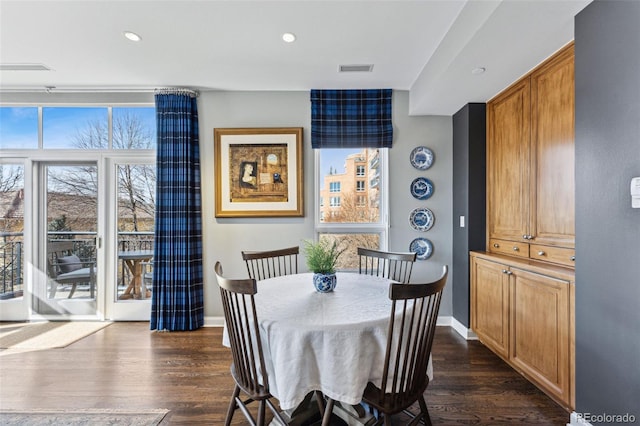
[[46, 335], [84, 417]]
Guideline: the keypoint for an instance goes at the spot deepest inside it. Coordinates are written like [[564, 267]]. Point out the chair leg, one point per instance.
[[232, 406], [425, 410], [261, 411], [326, 418], [53, 289], [73, 290], [387, 420]]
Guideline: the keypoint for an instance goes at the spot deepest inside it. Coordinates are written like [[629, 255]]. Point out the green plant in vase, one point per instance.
[[322, 257]]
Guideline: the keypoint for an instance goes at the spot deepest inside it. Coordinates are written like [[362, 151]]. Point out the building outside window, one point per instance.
[[358, 219]]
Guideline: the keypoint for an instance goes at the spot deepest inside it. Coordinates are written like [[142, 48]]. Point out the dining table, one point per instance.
[[134, 259], [332, 342]]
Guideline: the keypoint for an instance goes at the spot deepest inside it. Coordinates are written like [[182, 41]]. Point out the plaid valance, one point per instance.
[[351, 118]]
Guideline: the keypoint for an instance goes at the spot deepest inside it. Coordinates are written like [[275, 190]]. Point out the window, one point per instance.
[[78, 127], [358, 217], [18, 128], [12, 263]]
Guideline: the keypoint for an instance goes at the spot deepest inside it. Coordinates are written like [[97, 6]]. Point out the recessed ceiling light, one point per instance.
[[478, 70], [132, 36], [288, 37]]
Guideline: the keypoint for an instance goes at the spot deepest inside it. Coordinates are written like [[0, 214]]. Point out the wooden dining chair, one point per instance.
[[412, 325], [248, 366], [272, 263], [395, 266]]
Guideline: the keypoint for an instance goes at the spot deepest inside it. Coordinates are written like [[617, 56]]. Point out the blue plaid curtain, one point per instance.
[[351, 118], [177, 300]]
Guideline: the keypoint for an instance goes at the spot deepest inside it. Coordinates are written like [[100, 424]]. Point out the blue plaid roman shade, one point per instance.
[[351, 118]]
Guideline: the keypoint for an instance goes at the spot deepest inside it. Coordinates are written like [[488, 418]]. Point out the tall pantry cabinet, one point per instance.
[[522, 287]]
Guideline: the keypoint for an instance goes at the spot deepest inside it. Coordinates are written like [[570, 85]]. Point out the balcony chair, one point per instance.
[[248, 366], [412, 325], [272, 263], [66, 268], [394, 266]]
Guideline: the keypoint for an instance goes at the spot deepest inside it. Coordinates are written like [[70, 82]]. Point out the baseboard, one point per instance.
[[213, 322], [462, 330]]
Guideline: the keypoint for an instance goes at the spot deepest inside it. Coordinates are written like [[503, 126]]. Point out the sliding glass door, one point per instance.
[[133, 183], [67, 238]]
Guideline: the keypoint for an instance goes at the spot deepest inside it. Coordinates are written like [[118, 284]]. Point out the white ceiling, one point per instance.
[[428, 47]]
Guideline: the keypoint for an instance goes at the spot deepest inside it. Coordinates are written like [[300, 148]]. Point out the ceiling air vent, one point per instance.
[[355, 68], [24, 67]]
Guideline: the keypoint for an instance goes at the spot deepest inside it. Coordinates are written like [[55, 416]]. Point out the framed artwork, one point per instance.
[[258, 172]]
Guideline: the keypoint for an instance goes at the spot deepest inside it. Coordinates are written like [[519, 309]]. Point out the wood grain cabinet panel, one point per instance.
[[530, 159], [508, 139], [523, 311], [490, 305], [552, 155], [540, 332]]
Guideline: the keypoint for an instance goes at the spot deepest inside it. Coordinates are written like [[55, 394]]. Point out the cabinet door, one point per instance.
[[540, 331], [490, 305], [552, 148], [508, 127]]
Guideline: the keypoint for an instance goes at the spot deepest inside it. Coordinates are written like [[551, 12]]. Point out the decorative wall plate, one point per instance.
[[421, 219], [421, 158], [422, 247], [421, 188]]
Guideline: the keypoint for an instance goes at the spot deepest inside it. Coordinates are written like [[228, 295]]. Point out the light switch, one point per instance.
[[461, 221]]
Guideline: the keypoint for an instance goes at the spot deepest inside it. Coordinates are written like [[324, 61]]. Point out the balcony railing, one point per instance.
[[12, 255]]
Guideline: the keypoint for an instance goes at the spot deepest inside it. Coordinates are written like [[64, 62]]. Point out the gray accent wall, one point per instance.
[[607, 43], [469, 200], [225, 238]]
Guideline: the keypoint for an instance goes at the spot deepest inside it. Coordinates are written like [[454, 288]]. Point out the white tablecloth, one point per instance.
[[333, 342]]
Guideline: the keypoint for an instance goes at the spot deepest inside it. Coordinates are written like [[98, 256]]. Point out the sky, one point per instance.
[[19, 125]]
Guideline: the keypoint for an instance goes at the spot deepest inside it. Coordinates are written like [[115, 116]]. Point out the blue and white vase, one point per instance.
[[324, 283]]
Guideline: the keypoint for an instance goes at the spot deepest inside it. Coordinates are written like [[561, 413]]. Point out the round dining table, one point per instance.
[[332, 342]]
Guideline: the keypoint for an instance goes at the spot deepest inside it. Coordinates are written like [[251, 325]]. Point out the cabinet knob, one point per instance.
[[525, 237], [496, 245], [572, 258], [504, 271], [515, 248], [509, 273], [541, 253]]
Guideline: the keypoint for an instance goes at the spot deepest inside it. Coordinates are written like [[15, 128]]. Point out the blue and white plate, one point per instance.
[[421, 158], [422, 247], [421, 219], [421, 188]]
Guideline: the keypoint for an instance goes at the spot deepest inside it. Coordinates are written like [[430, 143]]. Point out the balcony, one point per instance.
[[12, 256]]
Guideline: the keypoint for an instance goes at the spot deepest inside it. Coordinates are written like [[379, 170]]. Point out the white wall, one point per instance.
[[224, 239]]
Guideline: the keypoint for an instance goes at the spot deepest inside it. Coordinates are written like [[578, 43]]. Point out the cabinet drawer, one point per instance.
[[563, 256], [511, 248]]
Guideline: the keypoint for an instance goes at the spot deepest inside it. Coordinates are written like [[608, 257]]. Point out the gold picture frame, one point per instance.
[[258, 172]]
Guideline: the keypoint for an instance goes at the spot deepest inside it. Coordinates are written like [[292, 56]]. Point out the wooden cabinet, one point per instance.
[[490, 300], [539, 330], [530, 162], [523, 311]]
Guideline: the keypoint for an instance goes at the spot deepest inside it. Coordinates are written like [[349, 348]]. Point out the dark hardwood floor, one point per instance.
[[127, 366]]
